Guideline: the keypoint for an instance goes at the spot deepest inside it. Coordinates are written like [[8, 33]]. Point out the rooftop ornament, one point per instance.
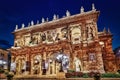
[[43, 20], [57, 16], [23, 25], [67, 13], [37, 21], [82, 9], [93, 7], [16, 27], [54, 17], [32, 23], [47, 19], [28, 24]]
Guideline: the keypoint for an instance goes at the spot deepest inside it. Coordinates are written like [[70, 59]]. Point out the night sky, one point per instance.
[[14, 12]]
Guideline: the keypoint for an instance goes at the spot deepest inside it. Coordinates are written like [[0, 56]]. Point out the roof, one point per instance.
[[65, 20]]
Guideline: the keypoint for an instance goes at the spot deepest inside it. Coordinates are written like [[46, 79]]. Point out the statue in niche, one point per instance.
[[13, 66], [64, 33], [90, 33], [43, 36], [15, 45], [57, 36], [19, 43], [53, 34], [76, 34], [23, 66], [33, 40], [49, 36], [77, 64]]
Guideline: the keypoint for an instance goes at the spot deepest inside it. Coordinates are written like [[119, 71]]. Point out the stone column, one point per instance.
[[100, 61], [53, 67], [40, 67], [31, 65]]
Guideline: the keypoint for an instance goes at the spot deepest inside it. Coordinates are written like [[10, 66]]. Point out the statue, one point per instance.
[[49, 36], [82, 9], [77, 63], [13, 67], [23, 25], [67, 13], [16, 27], [43, 20], [43, 36], [54, 17], [32, 23]]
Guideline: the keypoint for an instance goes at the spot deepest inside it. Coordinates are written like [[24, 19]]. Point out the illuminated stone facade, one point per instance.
[[35, 47]]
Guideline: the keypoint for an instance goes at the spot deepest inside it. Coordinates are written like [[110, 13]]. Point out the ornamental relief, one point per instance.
[[76, 36], [49, 36]]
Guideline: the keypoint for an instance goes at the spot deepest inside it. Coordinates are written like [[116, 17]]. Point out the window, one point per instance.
[[92, 57]]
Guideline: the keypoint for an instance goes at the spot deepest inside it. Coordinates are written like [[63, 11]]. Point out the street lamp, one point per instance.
[[60, 59]]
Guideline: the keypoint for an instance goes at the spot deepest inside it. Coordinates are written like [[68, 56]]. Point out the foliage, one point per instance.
[[74, 74], [118, 71], [110, 75], [9, 75], [85, 75], [97, 76], [71, 70], [1, 70]]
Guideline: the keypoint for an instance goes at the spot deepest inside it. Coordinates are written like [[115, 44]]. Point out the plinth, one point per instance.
[[60, 75]]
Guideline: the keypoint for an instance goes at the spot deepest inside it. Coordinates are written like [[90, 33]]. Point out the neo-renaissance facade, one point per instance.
[[69, 43]]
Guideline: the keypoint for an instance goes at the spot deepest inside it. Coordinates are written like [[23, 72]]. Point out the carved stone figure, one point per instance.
[[64, 33], [49, 36], [43, 36], [77, 64]]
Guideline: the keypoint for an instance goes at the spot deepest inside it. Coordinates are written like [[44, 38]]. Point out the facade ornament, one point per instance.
[[16, 27], [82, 9], [47, 19], [67, 13], [43, 20], [57, 16], [23, 25], [28, 24], [104, 30], [37, 21], [93, 7], [109, 31], [54, 17], [32, 23]]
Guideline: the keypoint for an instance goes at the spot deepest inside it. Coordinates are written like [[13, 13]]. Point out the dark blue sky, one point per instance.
[[14, 12]]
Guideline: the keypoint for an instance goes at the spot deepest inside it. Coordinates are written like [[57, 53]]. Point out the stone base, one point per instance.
[[60, 75]]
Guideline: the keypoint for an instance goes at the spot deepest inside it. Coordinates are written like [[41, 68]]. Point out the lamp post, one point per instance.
[[9, 61]]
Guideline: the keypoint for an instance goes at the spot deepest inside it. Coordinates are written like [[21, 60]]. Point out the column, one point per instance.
[[40, 67]]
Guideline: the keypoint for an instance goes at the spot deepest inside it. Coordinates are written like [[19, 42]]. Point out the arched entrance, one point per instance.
[[36, 64], [61, 62], [20, 65]]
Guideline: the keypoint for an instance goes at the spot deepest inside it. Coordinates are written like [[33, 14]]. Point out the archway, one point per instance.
[[20, 64], [61, 60], [36, 64]]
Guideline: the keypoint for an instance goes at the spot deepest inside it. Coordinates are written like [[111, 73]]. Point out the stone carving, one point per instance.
[[43, 36], [36, 64], [64, 33], [76, 34], [49, 36], [90, 31], [77, 64], [67, 13]]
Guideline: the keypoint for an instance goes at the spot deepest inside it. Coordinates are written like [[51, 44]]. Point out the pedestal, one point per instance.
[[60, 75]]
